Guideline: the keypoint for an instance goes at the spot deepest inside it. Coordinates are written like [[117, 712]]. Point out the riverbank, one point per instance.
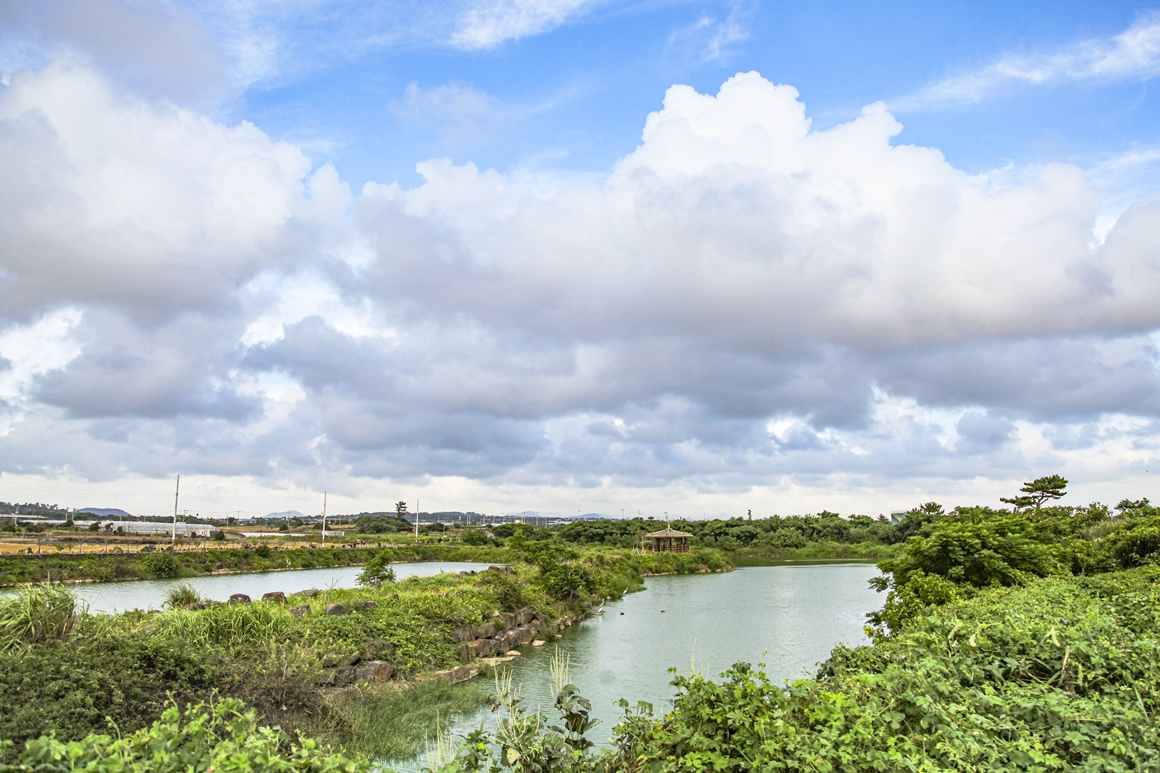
[[159, 564], [326, 663]]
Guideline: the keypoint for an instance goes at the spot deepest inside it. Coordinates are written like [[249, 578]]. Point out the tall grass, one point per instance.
[[244, 625], [181, 595], [39, 614], [396, 723]]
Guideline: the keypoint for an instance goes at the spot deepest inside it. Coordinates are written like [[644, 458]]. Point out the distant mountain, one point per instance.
[[106, 512], [288, 514]]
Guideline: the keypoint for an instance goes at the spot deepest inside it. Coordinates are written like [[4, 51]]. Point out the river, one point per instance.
[[150, 594], [788, 617]]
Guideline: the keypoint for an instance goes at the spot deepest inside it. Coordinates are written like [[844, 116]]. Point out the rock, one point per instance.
[[526, 634], [118, 551], [239, 598], [277, 596], [524, 616], [300, 611], [557, 637], [344, 675], [513, 653], [343, 693], [493, 662], [485, 631], [464, 634], [309, 593], [375, 671], [363, 604], [147, 549], [478, 648], [458, 674], [394, 595], [539, 643], [199, 605], [336, 609]]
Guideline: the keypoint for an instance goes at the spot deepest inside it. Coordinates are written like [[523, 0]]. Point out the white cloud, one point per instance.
[[149, 207], [28, 352], [1134, 53], [708, 38], [490, 23], [742, 303]]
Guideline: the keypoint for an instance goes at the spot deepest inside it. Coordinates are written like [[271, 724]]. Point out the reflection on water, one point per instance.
[[787, 617], [150, 594]]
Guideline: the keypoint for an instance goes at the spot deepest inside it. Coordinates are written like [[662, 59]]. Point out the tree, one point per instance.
[[1037, 492], [401, 509]]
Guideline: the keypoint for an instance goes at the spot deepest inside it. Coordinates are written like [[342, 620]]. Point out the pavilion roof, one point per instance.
[[667, 532]]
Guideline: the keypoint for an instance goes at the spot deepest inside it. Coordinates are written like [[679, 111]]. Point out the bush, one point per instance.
[[181, 595], [161, 566], [223, 736], [476, 537], [378, 570]]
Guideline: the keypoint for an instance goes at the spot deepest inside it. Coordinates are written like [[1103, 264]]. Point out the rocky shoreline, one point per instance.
[[482, 647]]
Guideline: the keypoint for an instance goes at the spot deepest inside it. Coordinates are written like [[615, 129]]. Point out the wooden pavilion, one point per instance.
[[669, 540]]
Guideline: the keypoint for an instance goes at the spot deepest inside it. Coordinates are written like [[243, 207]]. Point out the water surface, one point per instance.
[[150, 594], [788, 617]]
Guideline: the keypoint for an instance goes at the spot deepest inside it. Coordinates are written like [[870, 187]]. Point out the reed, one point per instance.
[[243, 625], [39, 615], [181, 595]]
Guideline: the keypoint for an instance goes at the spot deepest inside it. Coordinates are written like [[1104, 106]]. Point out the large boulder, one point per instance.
[[485, 631], [375, 671], [239, 598], [277, 596], [300, 611], [524, 616], [336, 609]]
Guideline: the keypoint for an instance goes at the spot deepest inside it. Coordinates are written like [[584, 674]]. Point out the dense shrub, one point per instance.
[[222, 736]]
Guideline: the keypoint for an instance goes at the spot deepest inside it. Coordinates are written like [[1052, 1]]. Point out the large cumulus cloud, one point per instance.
[[742, 298]]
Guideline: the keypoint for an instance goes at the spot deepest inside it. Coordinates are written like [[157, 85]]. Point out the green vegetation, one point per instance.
[[826, 535], [223, 736], [74, 673], [181, 595], [1025, 639], [391, 724]]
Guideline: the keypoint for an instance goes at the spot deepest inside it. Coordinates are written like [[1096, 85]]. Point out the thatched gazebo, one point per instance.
[[669, 540]]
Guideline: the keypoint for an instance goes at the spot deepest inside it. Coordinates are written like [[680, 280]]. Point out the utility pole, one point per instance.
[[323, 517], [176, 494]]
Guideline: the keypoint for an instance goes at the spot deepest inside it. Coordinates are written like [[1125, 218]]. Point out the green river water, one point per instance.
[[786, 616]]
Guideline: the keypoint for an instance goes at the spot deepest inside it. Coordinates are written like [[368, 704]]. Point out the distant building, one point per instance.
[[896, 516]]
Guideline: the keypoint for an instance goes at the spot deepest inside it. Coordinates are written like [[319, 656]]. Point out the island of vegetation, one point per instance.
[[1022, 638]]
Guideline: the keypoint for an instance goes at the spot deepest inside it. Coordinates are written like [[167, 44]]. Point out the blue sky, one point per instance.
[[551, 255], [573, 97]]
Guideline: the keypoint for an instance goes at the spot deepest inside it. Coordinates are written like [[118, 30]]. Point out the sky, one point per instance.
[[639, 256]]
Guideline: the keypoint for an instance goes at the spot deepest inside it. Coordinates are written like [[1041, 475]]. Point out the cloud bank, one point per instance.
[[743, 301]]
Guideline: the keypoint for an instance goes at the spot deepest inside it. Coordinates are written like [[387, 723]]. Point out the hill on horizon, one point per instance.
[[106, 512], [287, 514]]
